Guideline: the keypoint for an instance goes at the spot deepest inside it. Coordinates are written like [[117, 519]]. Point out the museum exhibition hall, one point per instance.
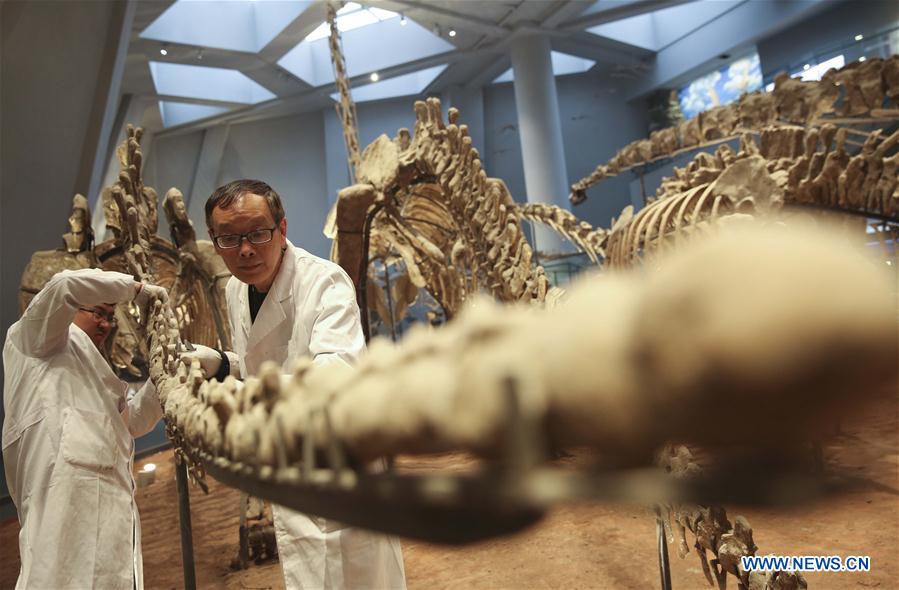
[[450, 294]]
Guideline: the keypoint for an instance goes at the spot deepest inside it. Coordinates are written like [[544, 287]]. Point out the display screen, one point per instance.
[[721, 86]]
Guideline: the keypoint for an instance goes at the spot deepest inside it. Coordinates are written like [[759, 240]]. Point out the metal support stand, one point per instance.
[[243, 551], [391, 319], [187, 546], [643, 186], [361, 295], [664, 565]]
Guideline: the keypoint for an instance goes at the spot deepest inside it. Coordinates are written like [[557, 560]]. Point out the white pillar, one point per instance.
[[540, 130]]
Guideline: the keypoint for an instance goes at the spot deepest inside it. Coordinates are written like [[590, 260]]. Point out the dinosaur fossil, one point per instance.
[[588, 239], [456, 230], [856, 90], [199, 288], [790, 165], [623, 376], [622, 365], [713, 532], [345, 107], [187, 268]]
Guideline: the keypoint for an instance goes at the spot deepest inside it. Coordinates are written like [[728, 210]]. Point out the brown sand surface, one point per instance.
[[595, 545]]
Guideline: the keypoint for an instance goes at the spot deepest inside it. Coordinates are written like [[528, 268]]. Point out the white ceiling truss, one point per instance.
[[430, 46]]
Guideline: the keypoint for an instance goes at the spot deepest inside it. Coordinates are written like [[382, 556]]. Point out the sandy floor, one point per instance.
[[575, 546]]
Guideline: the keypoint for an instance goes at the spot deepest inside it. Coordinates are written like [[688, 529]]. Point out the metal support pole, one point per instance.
[[391, 319], [642, 185], [664, 565], [243, 550], [361, 295], [187, 546]]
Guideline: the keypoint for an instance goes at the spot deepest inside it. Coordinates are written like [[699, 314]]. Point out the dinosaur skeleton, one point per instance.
[[590, 240], [844, 96], [130, 209], [456, 230], [187, 268], [621, 377], [80, 237], [713, 533], [199, 289], [622, 365], [790, 165], [77, 252], [346, 108]]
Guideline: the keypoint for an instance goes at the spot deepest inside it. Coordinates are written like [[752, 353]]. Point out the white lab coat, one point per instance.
[[68, 441], [311, 310]]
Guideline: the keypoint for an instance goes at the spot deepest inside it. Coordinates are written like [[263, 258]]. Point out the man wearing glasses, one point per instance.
[[285, 303], [68, 436]]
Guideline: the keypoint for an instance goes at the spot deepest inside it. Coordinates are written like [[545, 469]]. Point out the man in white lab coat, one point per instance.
[[285, 303], [68, 436]]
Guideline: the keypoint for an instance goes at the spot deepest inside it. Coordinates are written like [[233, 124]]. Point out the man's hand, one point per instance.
[[210, 359]]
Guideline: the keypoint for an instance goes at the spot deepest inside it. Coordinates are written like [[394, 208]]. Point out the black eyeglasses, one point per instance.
[[257, 236], [100, 316]]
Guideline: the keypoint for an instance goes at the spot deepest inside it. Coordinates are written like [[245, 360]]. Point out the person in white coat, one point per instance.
[[68, 436], [283, 304]]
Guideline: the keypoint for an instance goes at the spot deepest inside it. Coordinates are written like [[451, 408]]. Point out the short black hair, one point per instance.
[[224, 195]]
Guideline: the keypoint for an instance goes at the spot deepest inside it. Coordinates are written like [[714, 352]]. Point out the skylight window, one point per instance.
[[367, 49], [224, 24], [218, 84], [352, 16], [562, 64]]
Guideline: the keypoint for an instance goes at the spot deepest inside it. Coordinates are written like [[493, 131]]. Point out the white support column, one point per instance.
[[206, 175], [542, 152]]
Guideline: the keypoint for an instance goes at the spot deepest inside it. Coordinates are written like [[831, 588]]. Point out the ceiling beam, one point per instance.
[[187, 54], [448, 57], [488, 74], [190, 100], [600, 49], [148, 11], [294, 33], [314, 96], [566, 11], [277, 80], [619, 12]]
